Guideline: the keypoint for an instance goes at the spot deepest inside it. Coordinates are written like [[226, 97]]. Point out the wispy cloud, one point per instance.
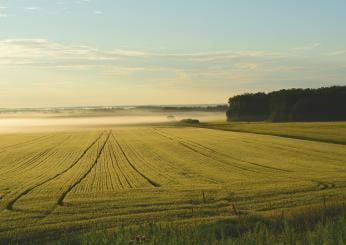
[[32, 8], [98, 12], [2, 11], [83, 1], [336, 53], [42, 51], [151, 66], [224, 55], [307, 47]]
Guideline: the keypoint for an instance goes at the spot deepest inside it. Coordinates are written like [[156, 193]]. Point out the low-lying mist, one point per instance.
[[37, 122]]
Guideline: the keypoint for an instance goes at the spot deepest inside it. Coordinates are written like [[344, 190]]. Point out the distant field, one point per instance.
[[333, 132], [76, 181]]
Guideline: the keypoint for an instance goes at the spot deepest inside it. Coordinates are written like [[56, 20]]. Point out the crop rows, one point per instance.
[[50, 182]]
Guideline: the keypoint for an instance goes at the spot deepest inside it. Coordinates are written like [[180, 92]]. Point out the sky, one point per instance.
[[130, 52]]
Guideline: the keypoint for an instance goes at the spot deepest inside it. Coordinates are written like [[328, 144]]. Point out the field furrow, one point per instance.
[[77, 181], [61, 198], [11, 203]]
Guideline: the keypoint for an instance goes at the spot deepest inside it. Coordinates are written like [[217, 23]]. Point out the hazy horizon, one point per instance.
[[63, 53], [91, 107], [172, 121]]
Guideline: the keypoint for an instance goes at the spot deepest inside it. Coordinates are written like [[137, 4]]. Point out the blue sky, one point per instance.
[[111, 52]]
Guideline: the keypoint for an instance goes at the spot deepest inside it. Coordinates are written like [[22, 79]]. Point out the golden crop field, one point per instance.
[[330, 132], [75, 181]]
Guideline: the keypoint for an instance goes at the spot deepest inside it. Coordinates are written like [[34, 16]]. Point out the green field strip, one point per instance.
[[328, 132], [303, 148], [190, 209]]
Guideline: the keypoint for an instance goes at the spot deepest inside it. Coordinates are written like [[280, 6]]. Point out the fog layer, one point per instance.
[[30, 122]]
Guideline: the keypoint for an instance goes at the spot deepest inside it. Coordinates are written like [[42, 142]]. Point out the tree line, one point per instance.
[[202, 108], [322, 104]]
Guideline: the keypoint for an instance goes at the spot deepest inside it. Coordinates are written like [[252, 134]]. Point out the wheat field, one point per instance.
[[79, 180]]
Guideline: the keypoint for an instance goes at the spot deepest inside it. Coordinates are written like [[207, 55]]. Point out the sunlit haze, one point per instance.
[[111, 52]]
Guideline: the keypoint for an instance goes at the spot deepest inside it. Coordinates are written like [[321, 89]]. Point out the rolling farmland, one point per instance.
[[76, 181], [330, 132]]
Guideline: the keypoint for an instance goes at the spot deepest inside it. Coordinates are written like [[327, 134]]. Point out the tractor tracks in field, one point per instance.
[[321, 185], [196, 151], [293, 137], [11, 203], [116, 163], [240, 160], [35, 160], [296, 149], [148, 164], [60, 201], [191, 147], [3, 195], [214, 159], [26, 163], [151, 182]]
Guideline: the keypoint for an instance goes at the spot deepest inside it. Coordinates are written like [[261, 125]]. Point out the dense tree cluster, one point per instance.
[[323, 104], [204, 108]]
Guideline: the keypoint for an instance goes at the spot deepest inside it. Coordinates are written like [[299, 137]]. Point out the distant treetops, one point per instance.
[[323, 104]]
